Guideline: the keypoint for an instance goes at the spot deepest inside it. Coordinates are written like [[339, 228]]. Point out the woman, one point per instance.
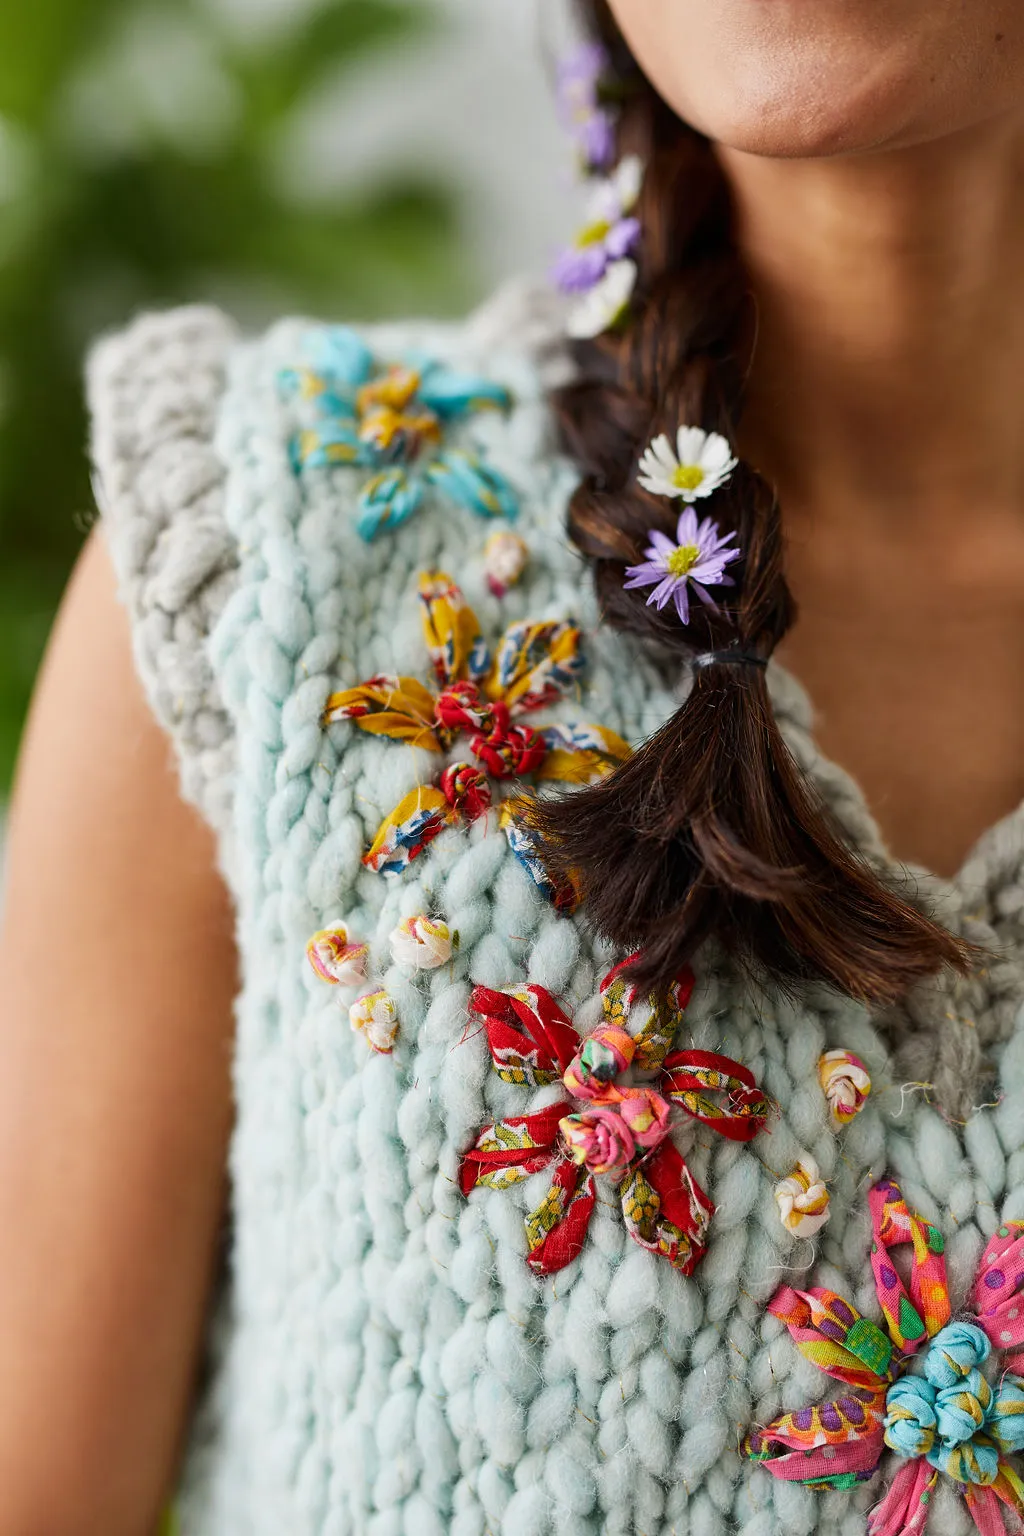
[[461, 1299]]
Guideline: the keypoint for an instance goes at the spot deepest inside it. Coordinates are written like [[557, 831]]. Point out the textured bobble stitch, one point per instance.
[[385, 1362]]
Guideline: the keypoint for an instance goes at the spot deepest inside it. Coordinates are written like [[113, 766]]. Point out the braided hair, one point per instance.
[[710, 829]]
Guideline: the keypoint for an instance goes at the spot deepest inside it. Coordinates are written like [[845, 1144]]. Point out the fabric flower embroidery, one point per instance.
[[421, 943], [950, 1421], [335, 958], [483, 700], [702, 462], [845, 1083], [514, 822], [611, 230], [392, 419], [608, 1125], [505, 558], [585, 115], [803, 1199], [697, 559], [375, 1016]]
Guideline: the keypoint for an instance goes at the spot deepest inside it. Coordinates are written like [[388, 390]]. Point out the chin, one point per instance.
[[805, 114], [815, 78]]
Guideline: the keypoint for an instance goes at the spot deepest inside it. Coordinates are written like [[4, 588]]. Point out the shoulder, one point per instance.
[[182, 405]]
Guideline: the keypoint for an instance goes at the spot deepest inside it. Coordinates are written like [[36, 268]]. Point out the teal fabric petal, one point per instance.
[[327, 444], [1005, 1420], [954, 1352], [339, 352], [910, 1417], [960, 1410], [456, 394], [387, 501], [975, 1461], [331, 400], [470, 482]]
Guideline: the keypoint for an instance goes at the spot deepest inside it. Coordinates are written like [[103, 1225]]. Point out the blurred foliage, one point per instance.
[[141, 162]]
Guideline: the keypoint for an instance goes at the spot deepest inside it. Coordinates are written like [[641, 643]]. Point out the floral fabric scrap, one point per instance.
[[336, 957], [514, 819], [845, 1082], [950, 1421], [607, 1125], [375, 1017], [422, 943], [392, 419], [480, 698], [803, 1199]]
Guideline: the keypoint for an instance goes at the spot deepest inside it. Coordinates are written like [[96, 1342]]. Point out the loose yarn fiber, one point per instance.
[[385, 1362]]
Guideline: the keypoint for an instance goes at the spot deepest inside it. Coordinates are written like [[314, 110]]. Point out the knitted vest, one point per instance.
[[385, 1358]]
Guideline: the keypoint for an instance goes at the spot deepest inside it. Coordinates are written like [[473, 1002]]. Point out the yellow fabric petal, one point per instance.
[[581, 754], [451, 630], [405, 832], [535, 664], [398, 707]]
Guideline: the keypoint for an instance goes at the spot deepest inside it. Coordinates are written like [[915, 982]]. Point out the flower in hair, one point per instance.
[[697, 559], [610, 232], [702, 461], [586, 117], [605, 304]]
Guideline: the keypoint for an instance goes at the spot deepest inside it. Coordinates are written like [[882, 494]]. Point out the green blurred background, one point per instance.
[[349, 157]]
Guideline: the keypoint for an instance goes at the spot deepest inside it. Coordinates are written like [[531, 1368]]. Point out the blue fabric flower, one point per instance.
[[955, 1351], [392, 419], [910, 1417]]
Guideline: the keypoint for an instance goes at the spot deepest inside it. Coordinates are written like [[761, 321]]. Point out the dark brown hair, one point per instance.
[[710, 828]]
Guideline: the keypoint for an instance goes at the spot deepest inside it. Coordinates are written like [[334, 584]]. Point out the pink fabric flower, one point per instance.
[[949, 1420], [646, 1113], [599, 1138]]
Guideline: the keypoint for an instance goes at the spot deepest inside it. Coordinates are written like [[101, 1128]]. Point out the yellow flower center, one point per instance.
[[688, 476], [682, 559], [394, 389], [388, 410], [592, 234]]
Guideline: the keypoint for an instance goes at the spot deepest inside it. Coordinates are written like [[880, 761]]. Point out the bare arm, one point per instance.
[[117, 973]]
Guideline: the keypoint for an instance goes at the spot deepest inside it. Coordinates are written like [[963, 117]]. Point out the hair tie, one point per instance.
[[732, 657]]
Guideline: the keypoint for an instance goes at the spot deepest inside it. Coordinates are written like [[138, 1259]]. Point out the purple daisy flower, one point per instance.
[[591, 125], [610, 233], [698, 558]]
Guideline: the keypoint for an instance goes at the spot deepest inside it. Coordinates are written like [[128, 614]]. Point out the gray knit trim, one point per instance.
[[154, 392]]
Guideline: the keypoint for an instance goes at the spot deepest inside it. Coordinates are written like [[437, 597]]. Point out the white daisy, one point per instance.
[[702, 461], [605, 304]]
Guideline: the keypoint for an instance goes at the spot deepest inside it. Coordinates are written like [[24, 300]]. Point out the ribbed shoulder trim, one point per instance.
[[154, 392]]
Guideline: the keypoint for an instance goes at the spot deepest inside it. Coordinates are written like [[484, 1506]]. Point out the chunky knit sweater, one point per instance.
[[385, 1358]]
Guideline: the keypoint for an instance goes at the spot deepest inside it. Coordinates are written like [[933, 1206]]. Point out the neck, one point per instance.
[[889, 358]]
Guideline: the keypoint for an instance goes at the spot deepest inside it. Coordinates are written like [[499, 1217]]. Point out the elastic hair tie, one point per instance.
[[733, 657]]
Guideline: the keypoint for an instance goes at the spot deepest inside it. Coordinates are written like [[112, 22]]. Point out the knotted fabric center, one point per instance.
[[952, 1416]]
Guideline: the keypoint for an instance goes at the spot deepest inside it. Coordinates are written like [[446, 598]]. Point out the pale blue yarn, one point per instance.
[[386, 1363]]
